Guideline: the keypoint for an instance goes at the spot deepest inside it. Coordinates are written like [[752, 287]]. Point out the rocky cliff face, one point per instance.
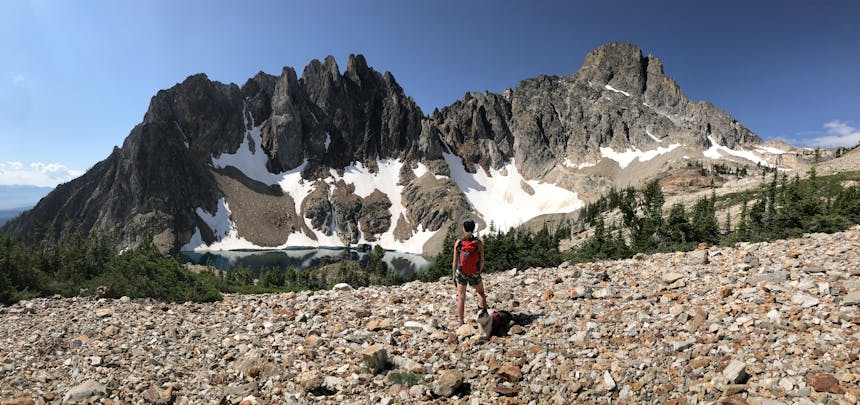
[[331, 158]]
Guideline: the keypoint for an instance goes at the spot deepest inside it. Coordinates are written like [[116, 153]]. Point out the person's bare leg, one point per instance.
[[482, 296], [461, 301]]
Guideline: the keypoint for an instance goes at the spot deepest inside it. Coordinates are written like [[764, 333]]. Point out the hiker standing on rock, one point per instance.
[[467, 266]]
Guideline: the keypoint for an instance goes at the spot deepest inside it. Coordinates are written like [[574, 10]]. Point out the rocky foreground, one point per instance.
[[763, 323]]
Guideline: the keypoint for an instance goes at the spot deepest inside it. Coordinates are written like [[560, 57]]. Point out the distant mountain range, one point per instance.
[[15, 197], [6, 215], [330, 158]]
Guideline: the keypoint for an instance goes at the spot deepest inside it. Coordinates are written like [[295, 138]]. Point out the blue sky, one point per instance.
[[75, 77]]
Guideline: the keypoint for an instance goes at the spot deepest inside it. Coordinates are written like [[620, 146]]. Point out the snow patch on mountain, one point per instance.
[[386, 180], [226, 235], [249, 158], [501, 199], [770, 149], [716, 152], [568, 163], [610, 88], [628, 156]]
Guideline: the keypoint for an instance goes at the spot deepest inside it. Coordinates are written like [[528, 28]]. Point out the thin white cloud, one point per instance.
[[839, 133], [19, 78], [36, 174]]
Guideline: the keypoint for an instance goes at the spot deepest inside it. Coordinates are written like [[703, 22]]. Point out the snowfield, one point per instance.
[[716, 151], [627, 157], [498, 196], [251, 160], [501, 199]]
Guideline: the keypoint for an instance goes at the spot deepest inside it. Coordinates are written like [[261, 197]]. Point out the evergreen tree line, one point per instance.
[[370, 270], [778, 209], [79, 264]]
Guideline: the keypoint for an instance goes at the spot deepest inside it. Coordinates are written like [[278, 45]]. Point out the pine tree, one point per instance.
[[704, 221], [678, 227]]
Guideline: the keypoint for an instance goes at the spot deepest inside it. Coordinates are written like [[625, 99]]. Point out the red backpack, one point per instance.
[[469, 256]]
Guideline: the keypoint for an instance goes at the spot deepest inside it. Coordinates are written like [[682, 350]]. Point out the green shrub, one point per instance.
[[406, 378]]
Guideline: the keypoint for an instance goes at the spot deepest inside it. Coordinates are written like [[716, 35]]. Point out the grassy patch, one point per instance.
[[406, 378]]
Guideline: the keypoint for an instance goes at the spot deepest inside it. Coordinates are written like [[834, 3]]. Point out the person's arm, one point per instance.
[[454, 262], [481, 256]]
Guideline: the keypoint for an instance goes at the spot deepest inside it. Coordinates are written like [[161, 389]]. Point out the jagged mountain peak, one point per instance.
[[330, 158]]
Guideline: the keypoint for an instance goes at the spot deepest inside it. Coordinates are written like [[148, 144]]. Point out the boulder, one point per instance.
[[448, 383], [375, 357]]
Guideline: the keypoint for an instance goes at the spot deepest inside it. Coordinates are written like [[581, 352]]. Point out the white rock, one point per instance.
[[608, 381], [774, 316], [418, 325], [334, 383], [736, 372], [805, 301], [852, 298], [89, 390], [605, 292], [785, 384], [672, 277]]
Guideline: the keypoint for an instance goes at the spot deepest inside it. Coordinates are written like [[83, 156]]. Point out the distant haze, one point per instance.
[[13, 197]]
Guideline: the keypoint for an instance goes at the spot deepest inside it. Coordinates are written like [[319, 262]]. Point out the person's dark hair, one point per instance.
[[469, 225], [469, 229]]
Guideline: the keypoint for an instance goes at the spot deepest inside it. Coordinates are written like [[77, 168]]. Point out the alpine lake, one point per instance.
[[301, 259]]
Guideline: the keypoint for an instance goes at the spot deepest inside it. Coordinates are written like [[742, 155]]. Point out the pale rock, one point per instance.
[[310, 380], [852, 298], [580, 292], [698, 257], [378, 324], [407, 364], [448, 383], [375, 357], [418, 326], [672, 277], [88, 390], [773, 277], [605, 292], [806, 285], [334, 383], [785, 384], [735, 372], [417, 390], [608, 382], [774, 316], [466, 330], [805, 301], [732, 389], [342, 287], [104, 312]]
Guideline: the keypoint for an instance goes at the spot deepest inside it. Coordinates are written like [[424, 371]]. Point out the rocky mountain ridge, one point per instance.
[[765, 323], [331, 158]]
